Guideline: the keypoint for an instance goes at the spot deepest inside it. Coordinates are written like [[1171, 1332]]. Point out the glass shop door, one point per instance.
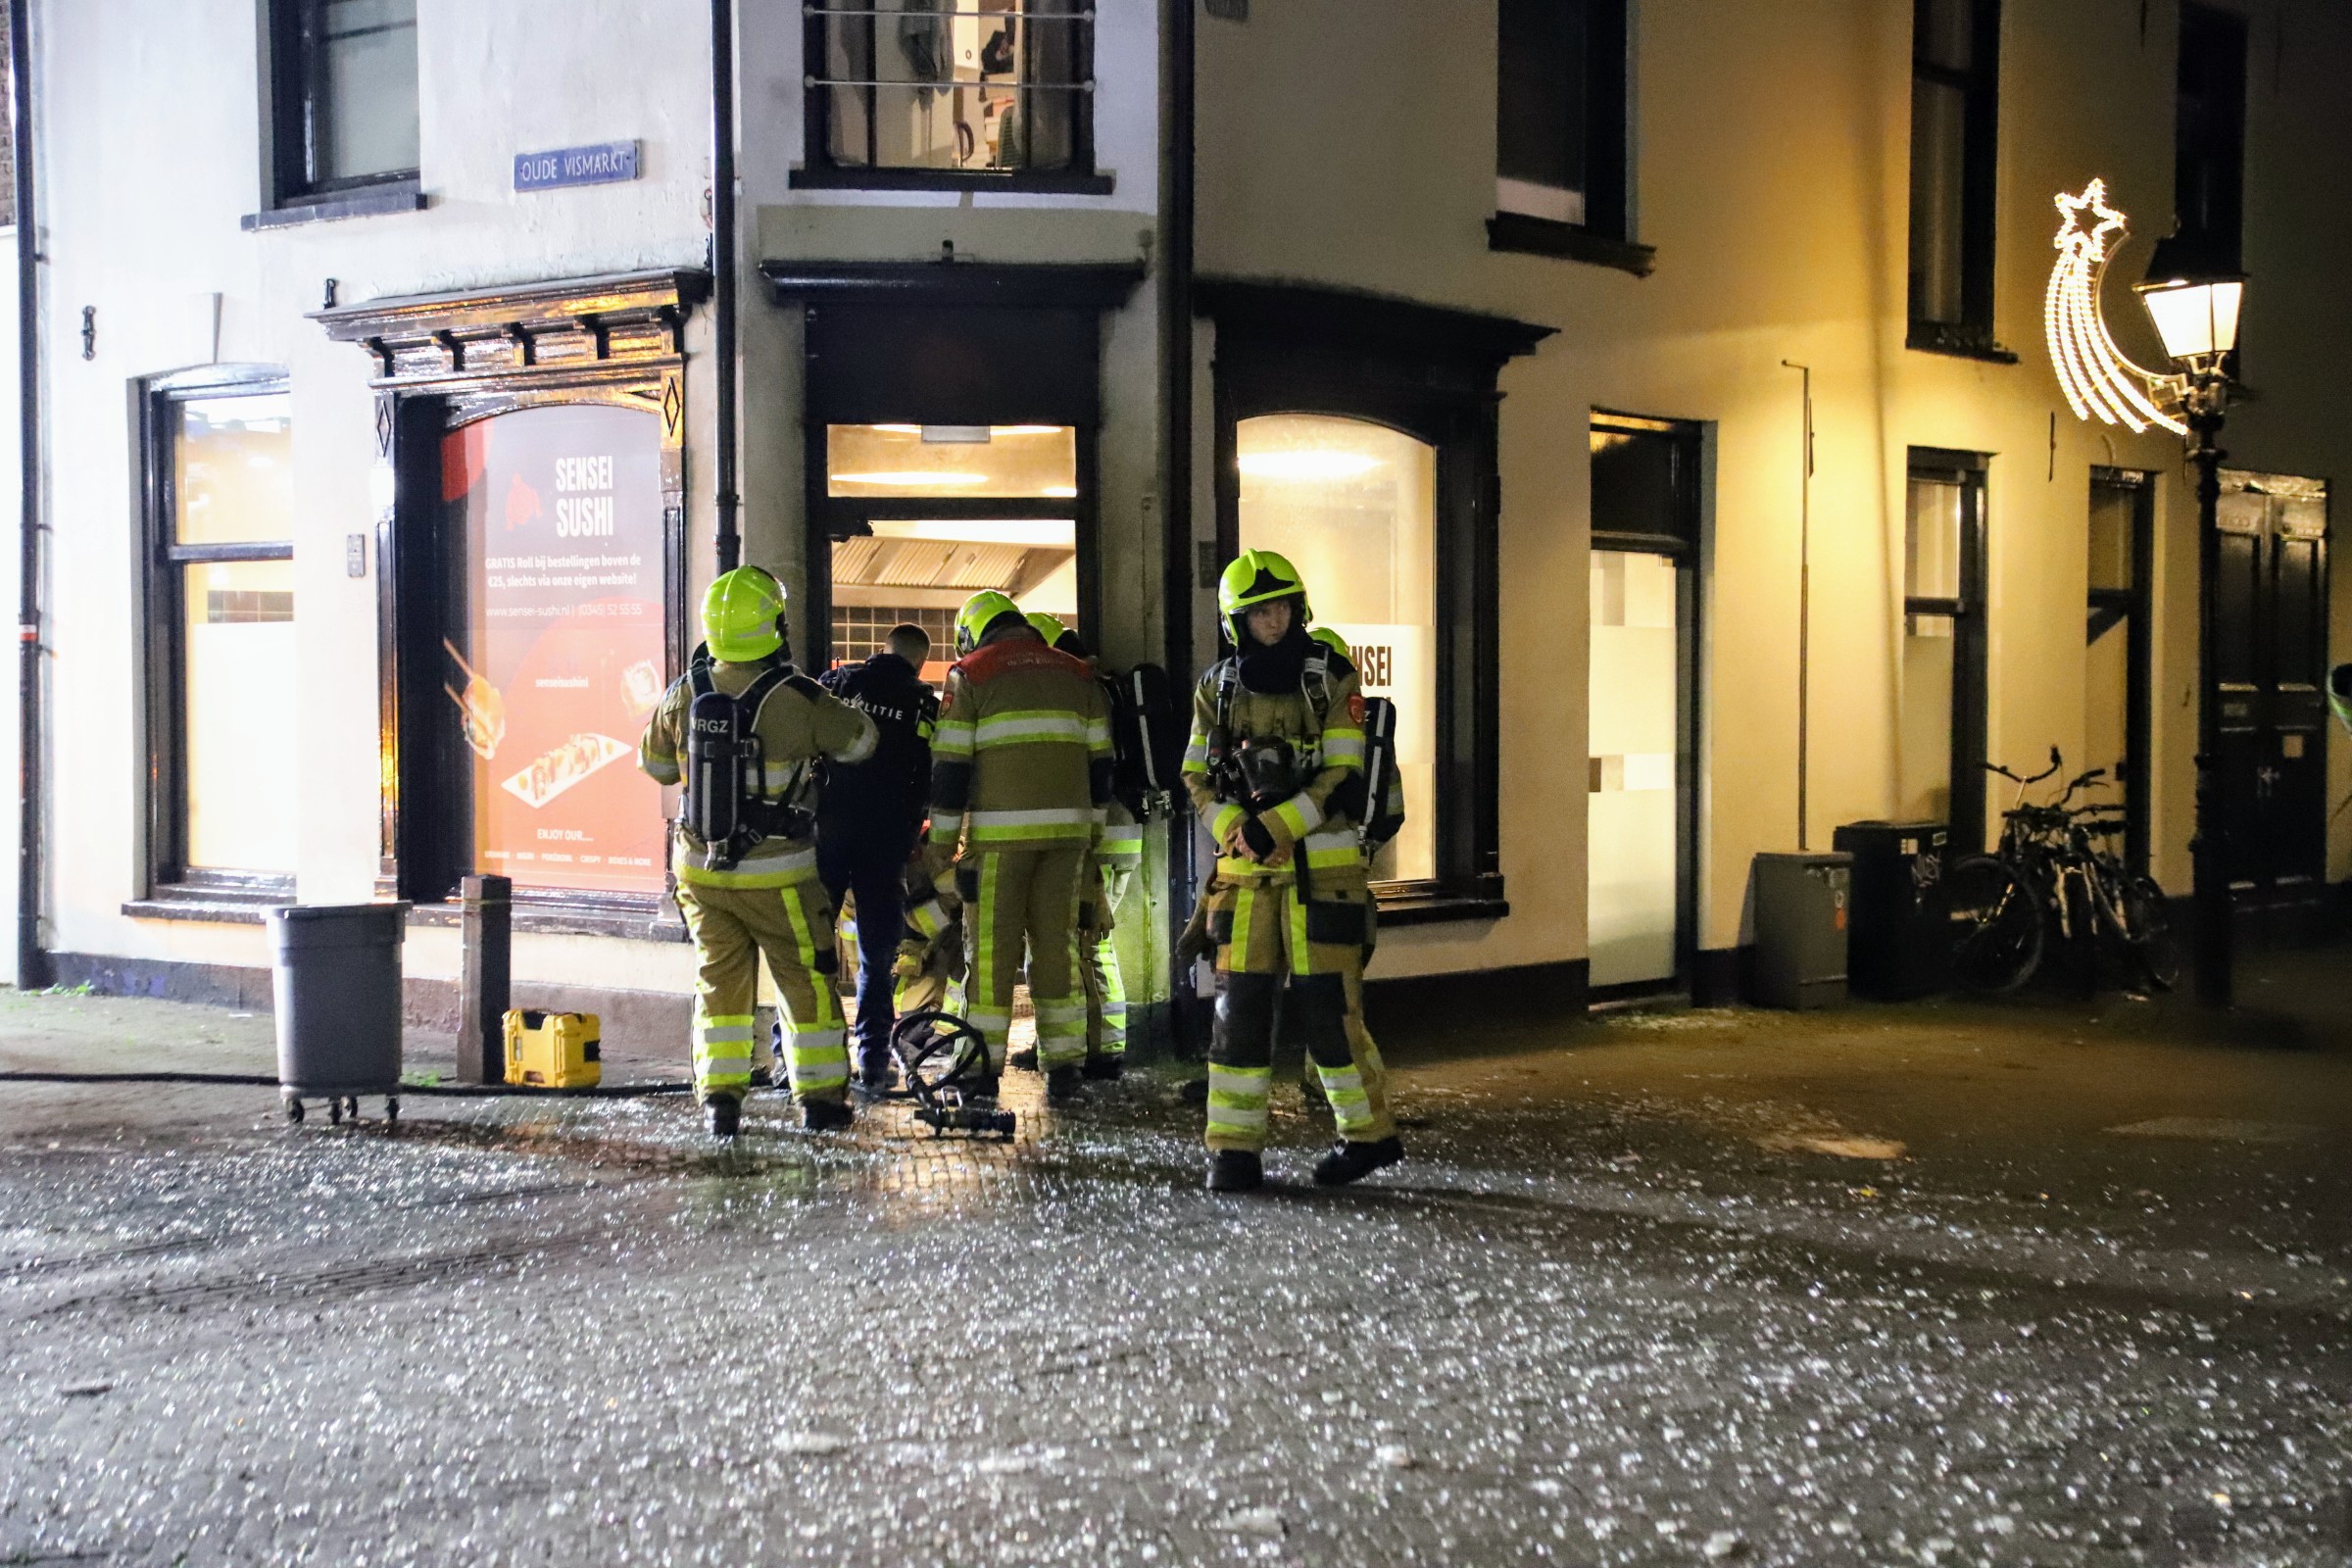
[[1641, 736]]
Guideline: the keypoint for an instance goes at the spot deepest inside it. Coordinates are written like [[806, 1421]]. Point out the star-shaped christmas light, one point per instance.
[[2092, 373]]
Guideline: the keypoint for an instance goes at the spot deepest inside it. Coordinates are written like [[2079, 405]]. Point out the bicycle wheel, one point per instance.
[[1997, 925], [2148, 932]]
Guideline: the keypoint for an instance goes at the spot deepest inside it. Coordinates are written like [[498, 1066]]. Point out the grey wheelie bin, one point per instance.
[[337, 987]]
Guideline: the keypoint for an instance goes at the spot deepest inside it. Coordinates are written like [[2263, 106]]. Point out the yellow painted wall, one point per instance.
[[1352, 145]]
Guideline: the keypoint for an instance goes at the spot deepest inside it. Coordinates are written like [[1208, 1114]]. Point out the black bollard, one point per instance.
[[485, 977]]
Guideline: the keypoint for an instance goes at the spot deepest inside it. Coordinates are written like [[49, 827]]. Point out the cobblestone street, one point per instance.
[[1934, 1285]]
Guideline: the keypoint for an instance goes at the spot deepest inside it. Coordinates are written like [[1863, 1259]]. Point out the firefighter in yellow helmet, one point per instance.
[[743, 731], [1020, 773], [1118, 856], [1277, 731]]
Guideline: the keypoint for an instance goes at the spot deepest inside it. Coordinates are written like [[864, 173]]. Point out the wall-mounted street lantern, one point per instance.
[[2195, 311]]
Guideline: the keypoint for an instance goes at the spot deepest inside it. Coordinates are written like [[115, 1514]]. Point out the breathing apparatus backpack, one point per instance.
[[725, 768], [1383, 813], [1147, 740]]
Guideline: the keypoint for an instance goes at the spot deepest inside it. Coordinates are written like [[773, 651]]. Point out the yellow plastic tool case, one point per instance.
[[553, 1050]]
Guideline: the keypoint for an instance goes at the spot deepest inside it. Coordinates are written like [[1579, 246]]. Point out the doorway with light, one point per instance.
[[1641, 797]]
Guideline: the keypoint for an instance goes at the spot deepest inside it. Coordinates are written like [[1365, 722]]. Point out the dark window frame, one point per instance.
[[1971, 639], [1685, 548], [820, 170], [1604, 235], [1972, 337], [167, 879], [297, 101], [1432, 374], [1025, 342], [2135, 606]]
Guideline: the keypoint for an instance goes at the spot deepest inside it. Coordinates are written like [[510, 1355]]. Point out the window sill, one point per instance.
[[1960, 342], [1042, 184], [1405, 904], [1543, 236], [395, 196], [638, 920], [209, 907]]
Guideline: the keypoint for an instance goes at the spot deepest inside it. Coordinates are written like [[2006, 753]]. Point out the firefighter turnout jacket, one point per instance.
[[1020, 756], [798, 723]]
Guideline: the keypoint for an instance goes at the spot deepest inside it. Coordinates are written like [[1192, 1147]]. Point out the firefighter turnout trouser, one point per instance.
[[1016, 898], [1099, 964], [1270, 941], [793, 926]]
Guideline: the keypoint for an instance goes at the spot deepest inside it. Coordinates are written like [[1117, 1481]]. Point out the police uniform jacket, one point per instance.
[[878, 803]]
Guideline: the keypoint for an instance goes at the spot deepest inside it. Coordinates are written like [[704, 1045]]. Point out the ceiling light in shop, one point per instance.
[[911, 479], [1310, 463], [897, 429], [1027, 429], [1059, 492]]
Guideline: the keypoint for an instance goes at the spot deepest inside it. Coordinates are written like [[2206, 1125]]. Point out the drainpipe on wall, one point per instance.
[[1174, 253], [32, 962], [722, 270]]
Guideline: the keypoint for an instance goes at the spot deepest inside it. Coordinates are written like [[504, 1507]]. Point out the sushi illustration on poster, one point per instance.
[[560, 659]]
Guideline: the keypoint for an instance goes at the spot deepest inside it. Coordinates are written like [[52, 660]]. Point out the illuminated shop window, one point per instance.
[[922, 571], [228, 555], [1353, 506], [968, 462], [553, 657]]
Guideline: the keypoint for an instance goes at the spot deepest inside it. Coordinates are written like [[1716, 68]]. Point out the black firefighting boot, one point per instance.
[[724, 1113], [824, 1116], [1061, 1086], [1235, 1170], [1105, 1068], [1023, 1059], [1347, 1162]]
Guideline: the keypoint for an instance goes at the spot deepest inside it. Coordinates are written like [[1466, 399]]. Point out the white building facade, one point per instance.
[[1596, 358]]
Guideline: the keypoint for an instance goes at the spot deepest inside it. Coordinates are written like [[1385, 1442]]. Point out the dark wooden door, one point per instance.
[[2271, 617]]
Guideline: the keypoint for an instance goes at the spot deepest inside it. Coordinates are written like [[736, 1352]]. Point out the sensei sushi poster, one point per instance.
[[558, 659]]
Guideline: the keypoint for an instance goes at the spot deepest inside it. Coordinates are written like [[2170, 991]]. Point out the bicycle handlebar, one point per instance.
[[1996, 767]]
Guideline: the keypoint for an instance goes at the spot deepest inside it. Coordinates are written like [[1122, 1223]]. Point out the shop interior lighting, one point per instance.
[[911, 480], [2098, 381], [1307, 463], [1043, 533], [935, 430]]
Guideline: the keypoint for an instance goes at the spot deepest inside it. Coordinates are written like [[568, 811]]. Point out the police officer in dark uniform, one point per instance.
[[870, 818]]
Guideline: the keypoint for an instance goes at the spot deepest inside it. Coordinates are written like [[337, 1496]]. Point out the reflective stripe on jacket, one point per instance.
[[1020, 756]]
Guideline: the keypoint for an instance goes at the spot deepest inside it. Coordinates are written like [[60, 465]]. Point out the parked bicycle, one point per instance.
[[2056, 870]]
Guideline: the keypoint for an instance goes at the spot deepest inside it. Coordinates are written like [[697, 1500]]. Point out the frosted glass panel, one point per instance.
[[1926, 755], [240, 750], [1632, 769], [1353, 506]]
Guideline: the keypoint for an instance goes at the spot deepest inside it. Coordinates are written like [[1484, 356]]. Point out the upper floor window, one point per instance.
[[932, 92], [1559, 113], [343, 77], [1955, 76], [2208, 137]]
